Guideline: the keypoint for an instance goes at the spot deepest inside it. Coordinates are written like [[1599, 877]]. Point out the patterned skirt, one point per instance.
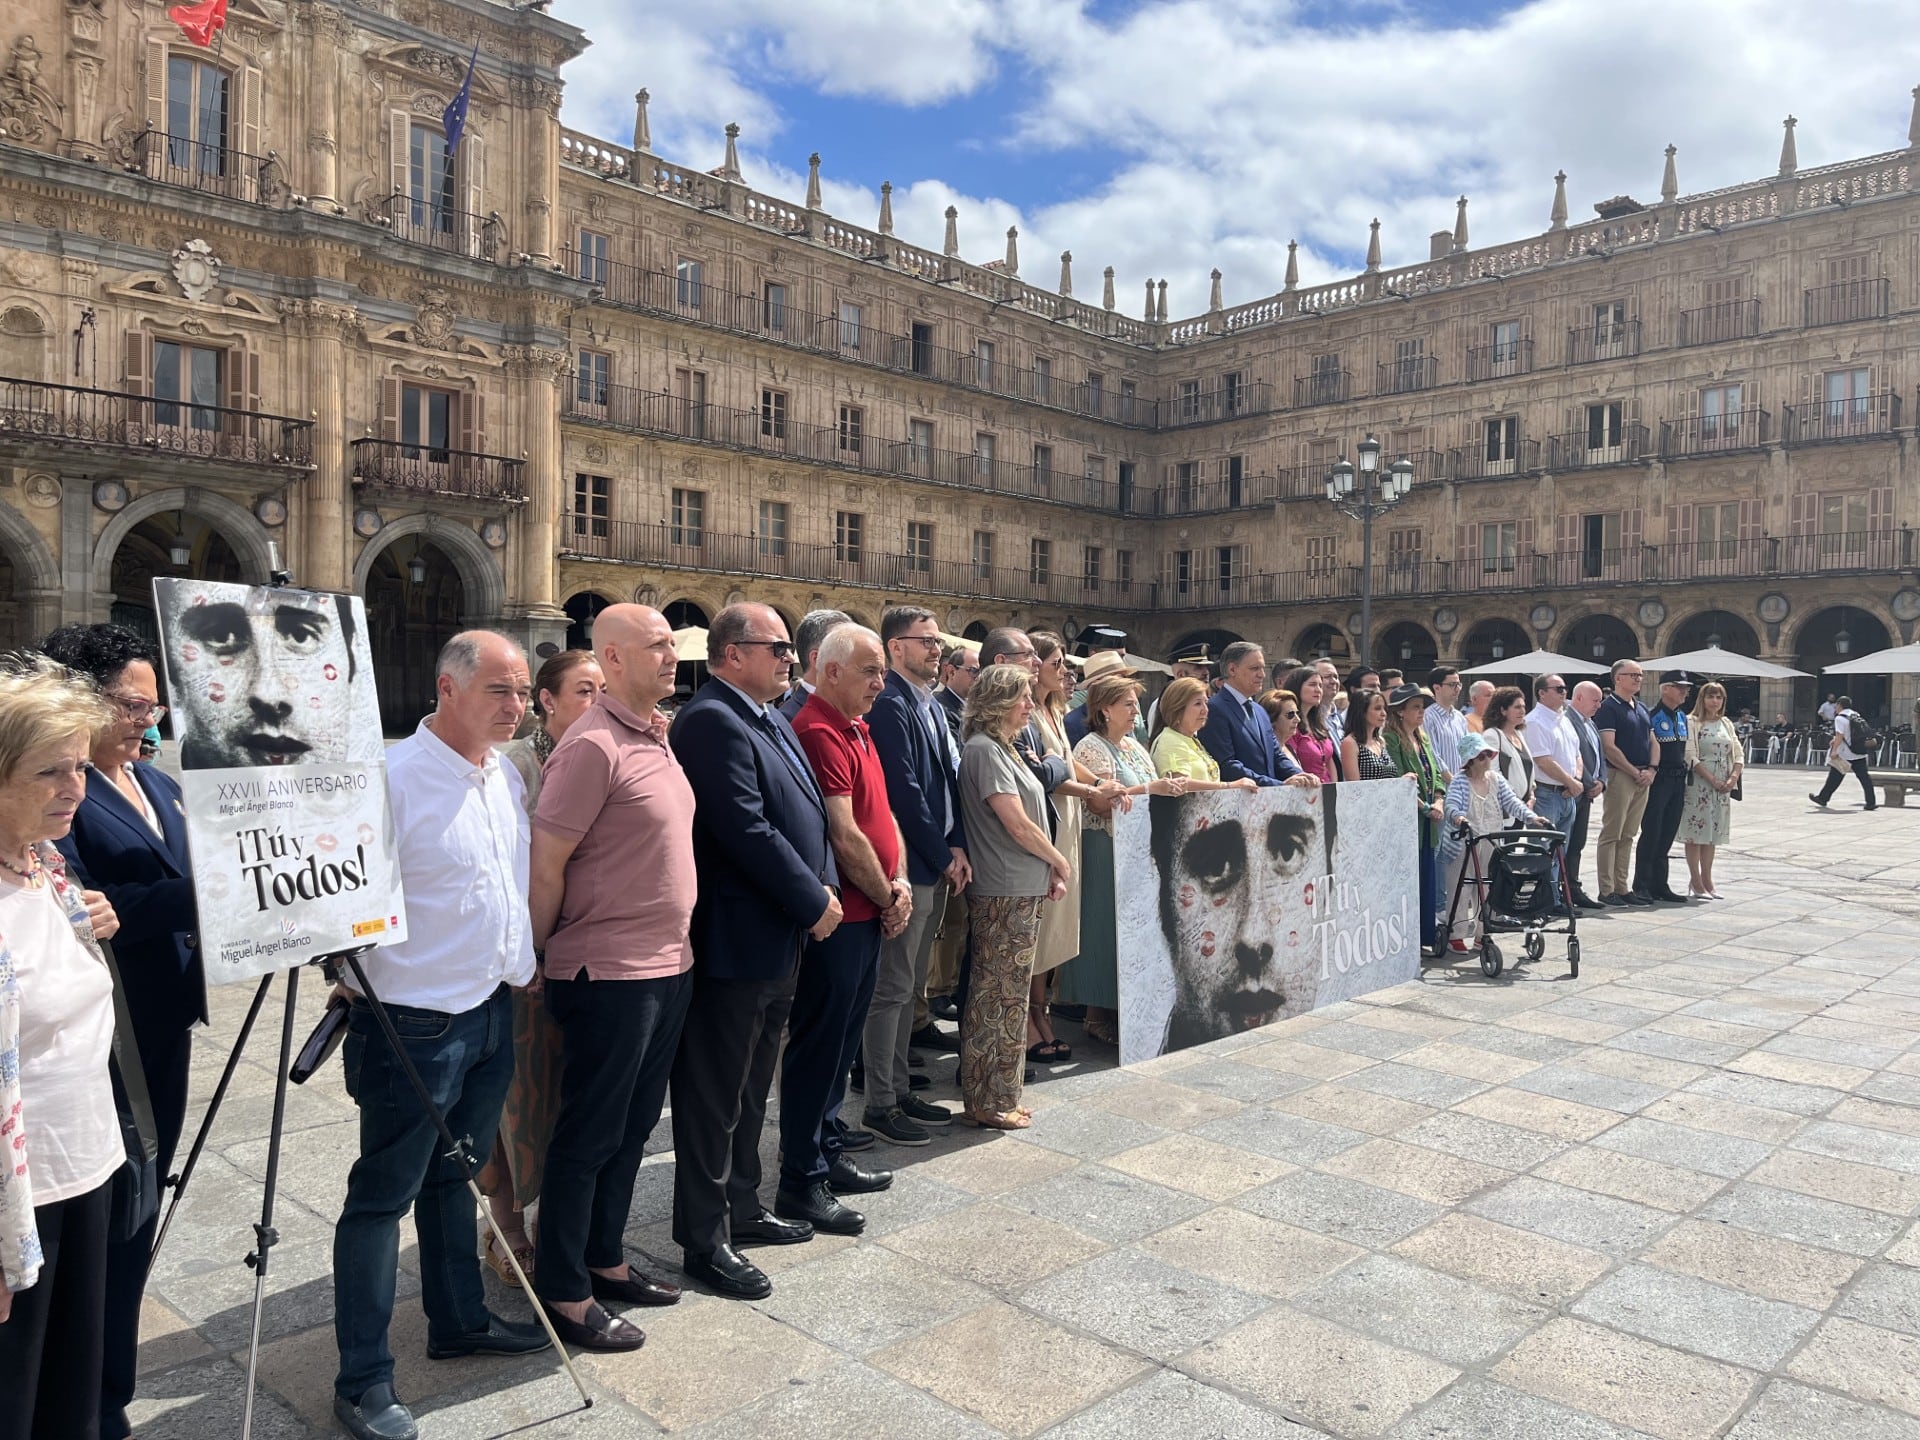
[[993, 1052]]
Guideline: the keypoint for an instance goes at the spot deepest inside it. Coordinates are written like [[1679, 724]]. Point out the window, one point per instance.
[[983, 458], [426, 423], [983, 554], [1096, 391], [1403, 550], [1720, 415], [687, 284], [1609, 327], [1233, 470], [1233, 388], [1189, 400], [1096, 479], [1604, 427], [593, 378], [1323, 556], [1599, 545], [689, 518], [1499, 544], [1843, 528], [773, 414], [1847, 409], [920, 545], [1043, 466], [922, 348], [1042, 378], [193, 374], [1186, 485], [592, 506], [920, 446], [1502, 445], [1123, 570], [1227, 566], [1040, 561], [770, 530], [773, 308], [847, 528], [690, 403], [199, 100], [592, 259], [983, 364], [852, 420], [1123, 501], [1129, 392], [1324, 379], [1506, 342], [1090, 567], [1716, 531], [850, 318], [1182, 572], [429, 181]]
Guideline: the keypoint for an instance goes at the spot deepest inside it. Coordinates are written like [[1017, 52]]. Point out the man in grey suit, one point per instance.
[[807, 635]]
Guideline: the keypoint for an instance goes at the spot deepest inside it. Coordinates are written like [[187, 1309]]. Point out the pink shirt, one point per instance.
[[613, 784], [1315, 756]]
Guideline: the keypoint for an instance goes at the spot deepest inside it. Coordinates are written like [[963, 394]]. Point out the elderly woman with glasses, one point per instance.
[[62, 1140], [129, 839]]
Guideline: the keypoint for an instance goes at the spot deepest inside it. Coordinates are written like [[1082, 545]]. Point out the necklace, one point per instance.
[[31, 872]]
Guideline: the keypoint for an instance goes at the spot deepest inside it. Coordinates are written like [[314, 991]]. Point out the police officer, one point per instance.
[[1668, 794], [1195, 662]]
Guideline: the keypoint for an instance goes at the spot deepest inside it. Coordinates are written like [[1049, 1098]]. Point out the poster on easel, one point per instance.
[[1236, 909], [283, 774]]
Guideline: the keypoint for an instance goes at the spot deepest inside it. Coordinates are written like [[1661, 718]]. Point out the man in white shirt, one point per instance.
[[462, 839], [1555, 746], [1828, 709], [1843, 756]]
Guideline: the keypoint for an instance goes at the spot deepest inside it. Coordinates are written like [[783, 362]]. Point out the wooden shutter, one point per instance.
[[1752, 514], [390, 394], [473, 422], [473, 163], [1680, 524], [1880, 508], [242, 375], [1566, 533], [1632, 527], [156, 93], [1467, 545], [1803, 514], [249, 130], [400, 127], [137, 369]]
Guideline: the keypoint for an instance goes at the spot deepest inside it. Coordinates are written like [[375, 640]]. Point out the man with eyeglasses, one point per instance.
[[1626, 739], [767, 883], [1444, 721], [958, 667], [1555, 746]]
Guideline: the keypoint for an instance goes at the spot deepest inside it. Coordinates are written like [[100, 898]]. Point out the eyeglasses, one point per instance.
[[782, 649], [1289, 714], [966, 669], [139, 709], [1553, 689], [932, 642]]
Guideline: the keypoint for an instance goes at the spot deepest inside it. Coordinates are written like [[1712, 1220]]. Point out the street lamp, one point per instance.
[[1373, 493]]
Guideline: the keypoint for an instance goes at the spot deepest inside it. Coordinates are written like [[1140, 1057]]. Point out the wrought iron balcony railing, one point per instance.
[[1322, 387], [1746, 429], [1607, 340], [1506, 357], [1711, 324], [1407, 376], [212, 168], [73, 414], [1475, 463], [1849, 300], [430, 470], [1587, 449], [1856, 417], [420, 221]]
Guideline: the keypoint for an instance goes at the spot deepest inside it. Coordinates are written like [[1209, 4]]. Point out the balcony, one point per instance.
[[395, 465], [211, 168], [1712, 324], [439, 227], [1494, 362], [62, 415], [1222, 402], [1476, 463], [653, 412], [1849, 300], [1858, 417], [1323, 387], [1590, 449], [1697, 435], [1406, 377], [1609, 340]]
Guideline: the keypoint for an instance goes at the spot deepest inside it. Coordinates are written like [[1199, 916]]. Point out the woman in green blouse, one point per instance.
[[1412, 752]]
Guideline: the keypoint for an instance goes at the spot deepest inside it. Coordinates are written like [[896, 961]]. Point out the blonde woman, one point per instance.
[[1016, 870], [1177, 749], [1714, 761]]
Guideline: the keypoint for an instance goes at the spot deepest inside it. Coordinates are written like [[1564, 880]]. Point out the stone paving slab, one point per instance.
[[1677, 1199]]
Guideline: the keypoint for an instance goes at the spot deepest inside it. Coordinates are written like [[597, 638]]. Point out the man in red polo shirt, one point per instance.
[[836, 977]]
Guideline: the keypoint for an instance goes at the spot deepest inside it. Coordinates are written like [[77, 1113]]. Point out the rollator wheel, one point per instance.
[[1491, 960], [1536, 945], [1573, 956]]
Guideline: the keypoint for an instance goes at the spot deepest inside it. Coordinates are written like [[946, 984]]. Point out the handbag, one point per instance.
[[1738, 786], [135, 1187]]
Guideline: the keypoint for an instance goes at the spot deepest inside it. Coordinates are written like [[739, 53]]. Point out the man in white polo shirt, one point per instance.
[[462, 838]]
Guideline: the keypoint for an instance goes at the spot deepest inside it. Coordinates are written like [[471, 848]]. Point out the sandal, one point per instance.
[[1001, 1120], [1103, 1031], [522, 1252]]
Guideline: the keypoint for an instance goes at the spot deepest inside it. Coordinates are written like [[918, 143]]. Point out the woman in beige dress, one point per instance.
[[1060, 923]]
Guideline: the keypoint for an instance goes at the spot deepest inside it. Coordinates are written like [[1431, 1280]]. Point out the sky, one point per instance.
[[1168, 138]]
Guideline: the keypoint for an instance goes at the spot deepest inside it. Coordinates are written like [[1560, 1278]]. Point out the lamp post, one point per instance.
[[1374, 492]]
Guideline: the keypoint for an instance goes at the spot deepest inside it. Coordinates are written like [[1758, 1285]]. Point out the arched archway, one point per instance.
[[1602, 639], [684, 613], [1827, 637], [1714, 628], [26, 347], [1494, 640], [1215, 640], [165, 547], [976, 631], [242, 554], [1324, 642], [581, 607], [482, 582], [29, 582], [1407, 646], [424, 580]]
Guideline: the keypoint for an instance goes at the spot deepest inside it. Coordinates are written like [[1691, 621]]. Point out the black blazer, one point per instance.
[[112, 849], [920, 785], [759, 837]]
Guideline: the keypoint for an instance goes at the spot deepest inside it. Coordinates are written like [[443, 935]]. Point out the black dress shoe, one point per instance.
[[728, 1272], [377, 1415], [634, 1289], [934, 1038], [1669, 897], [599, 1331], [1586, 901], [501, 1337], [1639, 897], [1816, 800], [767, 1228], [852, 1139], [942, 1007], [844, 1177], [1615, 901], [818, 1207]]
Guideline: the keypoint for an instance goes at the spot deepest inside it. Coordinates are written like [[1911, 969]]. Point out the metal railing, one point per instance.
[[1322, 387], [1405, 377], [440, 227], [1473, 463], [1611, 340], [1584, 450], [74, 414], [1856, 417], [211, 167], [1221, 402], [1746, 429], [428, 470], [1710, 324], [1848, 300], [1491, 362]]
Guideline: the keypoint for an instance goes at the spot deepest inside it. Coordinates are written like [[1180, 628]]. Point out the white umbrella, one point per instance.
[[1901, 660], [690, 643], [1713, 661], [1538, 662]]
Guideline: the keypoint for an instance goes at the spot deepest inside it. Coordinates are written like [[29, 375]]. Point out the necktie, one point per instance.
[[786, 747]]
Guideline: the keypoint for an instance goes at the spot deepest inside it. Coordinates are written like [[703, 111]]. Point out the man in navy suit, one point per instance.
[[807, 635], [1238, 734], [767, 883]]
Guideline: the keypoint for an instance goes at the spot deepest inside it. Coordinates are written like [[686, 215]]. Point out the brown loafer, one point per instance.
[[599, 1331], [635, 1289]]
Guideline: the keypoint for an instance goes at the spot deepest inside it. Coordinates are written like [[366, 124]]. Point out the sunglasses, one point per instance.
[[782, 649]]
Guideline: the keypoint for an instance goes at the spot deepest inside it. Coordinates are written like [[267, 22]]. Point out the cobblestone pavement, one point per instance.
[[1673, 1198]]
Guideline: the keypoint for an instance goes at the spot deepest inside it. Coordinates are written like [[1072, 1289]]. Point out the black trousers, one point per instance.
[[1834, 777], [1577, 841], [620, 1040], [830, 999], [1666, 798], [50, 1348], [166, 1059], [721, 1080]]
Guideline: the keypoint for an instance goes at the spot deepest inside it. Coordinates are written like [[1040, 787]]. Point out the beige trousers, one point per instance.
[[1626, 802]]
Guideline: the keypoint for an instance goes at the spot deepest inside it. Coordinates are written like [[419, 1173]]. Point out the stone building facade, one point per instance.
[[249, 306]]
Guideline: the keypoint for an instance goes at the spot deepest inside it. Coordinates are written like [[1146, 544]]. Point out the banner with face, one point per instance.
[[1237, 909], [283, 772]]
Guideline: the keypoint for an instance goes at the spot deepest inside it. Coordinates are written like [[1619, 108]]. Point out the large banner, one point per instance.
[[283, 771], [1238, 909]]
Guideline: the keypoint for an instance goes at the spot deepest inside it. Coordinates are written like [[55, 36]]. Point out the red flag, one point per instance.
[[201, 20]]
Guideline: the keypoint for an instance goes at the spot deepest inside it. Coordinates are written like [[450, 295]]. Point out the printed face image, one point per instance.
[[263, 676], [1236, 903]]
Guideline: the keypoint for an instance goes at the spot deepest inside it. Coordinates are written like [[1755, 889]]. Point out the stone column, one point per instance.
[[536, 119], [534, 373], [322, 119], [323, 562]]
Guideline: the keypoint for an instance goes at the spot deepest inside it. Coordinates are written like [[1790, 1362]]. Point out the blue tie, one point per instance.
[[786, 747]]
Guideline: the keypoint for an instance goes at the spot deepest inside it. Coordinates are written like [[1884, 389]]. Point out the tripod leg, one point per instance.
[[179, 1182], [265, 1236], [457, 1151]]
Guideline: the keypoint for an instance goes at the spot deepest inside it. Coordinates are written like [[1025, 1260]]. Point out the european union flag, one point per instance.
[[455, 119]]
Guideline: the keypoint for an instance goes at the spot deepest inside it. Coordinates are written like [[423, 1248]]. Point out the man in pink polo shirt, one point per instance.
[[613, 887]]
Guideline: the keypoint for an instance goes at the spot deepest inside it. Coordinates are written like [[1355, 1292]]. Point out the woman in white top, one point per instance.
[[1507, 726], [58, 1126], [1481, 801]]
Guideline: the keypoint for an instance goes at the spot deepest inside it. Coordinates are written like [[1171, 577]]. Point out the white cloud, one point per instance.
[[1236, 126]]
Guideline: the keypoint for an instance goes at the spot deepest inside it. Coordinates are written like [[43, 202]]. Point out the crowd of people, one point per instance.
[[844, 837]]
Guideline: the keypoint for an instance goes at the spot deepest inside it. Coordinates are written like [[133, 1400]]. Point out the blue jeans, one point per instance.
[[1558, 809], [466, 1061]]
